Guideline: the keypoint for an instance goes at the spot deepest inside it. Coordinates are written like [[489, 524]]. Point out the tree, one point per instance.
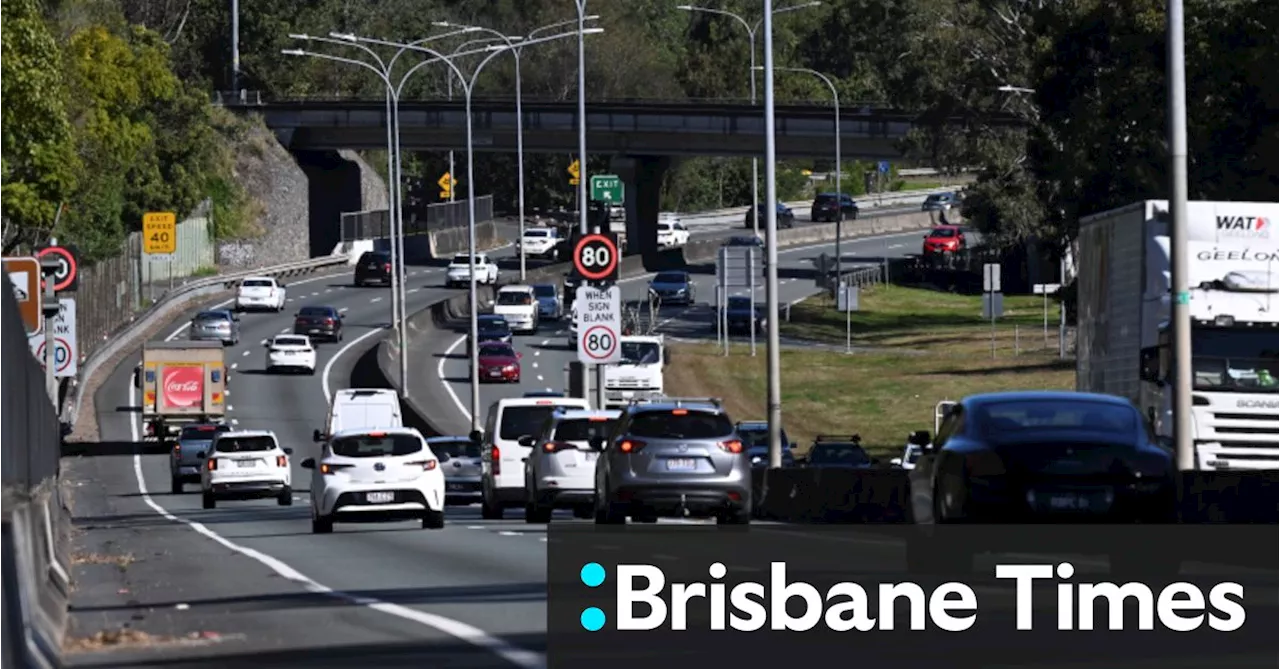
[[39, 163]]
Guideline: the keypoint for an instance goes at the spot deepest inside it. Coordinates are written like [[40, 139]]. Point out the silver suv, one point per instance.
[[193, 444], [673, 457]]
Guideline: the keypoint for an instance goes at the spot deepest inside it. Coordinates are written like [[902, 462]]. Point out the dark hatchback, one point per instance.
[[373, 267], [490, 327], [319, 323], [786, 217], [828, 206], [755, 441], [741, 315], [838, 452]]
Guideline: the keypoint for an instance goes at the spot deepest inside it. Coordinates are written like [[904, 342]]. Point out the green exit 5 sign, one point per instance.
[[607, 188]]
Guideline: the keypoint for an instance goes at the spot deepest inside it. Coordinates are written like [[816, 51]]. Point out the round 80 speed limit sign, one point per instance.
[[599, 342], [595, 257]]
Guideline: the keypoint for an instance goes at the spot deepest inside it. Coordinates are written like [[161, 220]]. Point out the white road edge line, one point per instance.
[[526, 659], [328, 366]]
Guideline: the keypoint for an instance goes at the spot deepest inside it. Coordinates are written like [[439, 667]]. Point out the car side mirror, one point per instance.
[[476, 437], [596, 443], [266, 344], [317, 436], [526, 441], [1149, 365], [524, 459], [309, 463], [896, 462], [519, 355], [287, 451]]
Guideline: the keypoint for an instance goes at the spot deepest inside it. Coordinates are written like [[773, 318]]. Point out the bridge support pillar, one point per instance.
[[642, 178]]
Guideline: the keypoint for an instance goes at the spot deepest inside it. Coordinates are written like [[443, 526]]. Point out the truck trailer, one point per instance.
[[1124, 342], [182, 382]]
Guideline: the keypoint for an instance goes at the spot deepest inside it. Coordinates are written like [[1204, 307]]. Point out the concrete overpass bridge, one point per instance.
[[642, 136]]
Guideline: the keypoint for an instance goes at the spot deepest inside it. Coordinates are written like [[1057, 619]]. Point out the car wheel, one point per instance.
[[285, 498], [208, 501], [490, 511], [311, 371], [735, 517], [433, 520], [321, 525], [175, 485], [533, 513], [608, 513]]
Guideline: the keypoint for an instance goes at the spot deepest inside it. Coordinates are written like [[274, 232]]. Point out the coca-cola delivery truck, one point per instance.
[[182, 382]]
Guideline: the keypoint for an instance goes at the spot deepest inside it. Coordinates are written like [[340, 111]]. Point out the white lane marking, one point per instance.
[[506, 533], [246, 353], [233, 366], [328, 366], [328, 290], [230, 408], [540, 378], [545, 342], [535, 365], [538, 353], [262, 343], [285, 330], [315, 293], [550, 390], [526, 659], [376, 299], [414, 290], [343, 310], [448, 387]]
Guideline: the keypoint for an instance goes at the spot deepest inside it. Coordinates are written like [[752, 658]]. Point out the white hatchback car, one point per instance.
[[291, 352], [384, 474], [560, 472], [261, 292], [246, 464]]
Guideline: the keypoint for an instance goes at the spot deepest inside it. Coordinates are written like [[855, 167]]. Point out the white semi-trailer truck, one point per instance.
[[1124, 339]]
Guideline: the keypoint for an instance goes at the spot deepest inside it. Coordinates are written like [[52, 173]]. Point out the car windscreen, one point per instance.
[[669, 277], [680, 424], [943, 232], [206, 316], [513, 298], [491, 325], [524, 421], [374, 256], [641, 353], [838, 454], [825, 199], [464, 260], [544, 291], [315, 311], [740, 303], [583, 429], [369, 446], [256, 283], [244, 444], [935, 198], [758, 436], [1015, 415], [537, 233], [463, 448], [290, 341], [490, 351]]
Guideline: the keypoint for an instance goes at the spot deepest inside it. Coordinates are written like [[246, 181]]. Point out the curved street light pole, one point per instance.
[[752, 32], [468, 85], [835, 97]]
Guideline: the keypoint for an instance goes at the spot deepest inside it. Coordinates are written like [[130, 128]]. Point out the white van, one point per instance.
[[519, 306], [502, 456], [362, 409]]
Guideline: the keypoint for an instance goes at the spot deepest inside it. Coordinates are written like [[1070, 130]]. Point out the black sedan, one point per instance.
[[831, 452], [490, 327], [830, 206], [319, 323], [741, 315], [1039, 457], [373, 267], [786, 217]]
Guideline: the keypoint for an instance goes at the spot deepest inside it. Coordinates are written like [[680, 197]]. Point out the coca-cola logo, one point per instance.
[[183, 386]]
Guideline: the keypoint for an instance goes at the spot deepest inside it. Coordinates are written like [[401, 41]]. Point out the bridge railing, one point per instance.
[[252, 98]]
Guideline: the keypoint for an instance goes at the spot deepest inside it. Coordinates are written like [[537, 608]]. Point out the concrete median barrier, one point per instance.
[[832, 495]]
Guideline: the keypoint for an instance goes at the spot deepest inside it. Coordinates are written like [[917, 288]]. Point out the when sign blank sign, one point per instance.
[[991, 278]]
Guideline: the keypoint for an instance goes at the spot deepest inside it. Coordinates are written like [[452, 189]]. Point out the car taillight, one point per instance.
[[328, 321], [151, 429], [386, 267], [326, 468], [630, 446], [212, 464], [495, 454], [731, 446], [427, 465], [282, 461]]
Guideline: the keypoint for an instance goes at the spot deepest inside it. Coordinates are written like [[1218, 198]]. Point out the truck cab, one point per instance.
[[639, 374]]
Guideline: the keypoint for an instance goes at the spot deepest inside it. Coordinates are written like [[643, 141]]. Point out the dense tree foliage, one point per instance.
[[1087, 76]]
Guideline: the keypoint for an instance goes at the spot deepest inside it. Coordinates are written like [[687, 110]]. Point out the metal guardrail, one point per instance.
[[867, 204], [254, 98], [164, 308]]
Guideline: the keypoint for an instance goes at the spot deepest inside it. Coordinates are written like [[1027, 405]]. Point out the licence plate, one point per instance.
[[495, 374], [379, 497], [1077, 502], [246, 463], [315, 330], [681, 464]]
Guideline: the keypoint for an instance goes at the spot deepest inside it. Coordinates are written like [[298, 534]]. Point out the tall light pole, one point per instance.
[[581, 5], [1181, 311], [468, 86], [835, 97], [752, 31], [514, 45], [235, 47], [395, 212], [771, 245]]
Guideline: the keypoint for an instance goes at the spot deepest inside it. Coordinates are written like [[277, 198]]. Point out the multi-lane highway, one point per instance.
[[248, 584], [547, 353]]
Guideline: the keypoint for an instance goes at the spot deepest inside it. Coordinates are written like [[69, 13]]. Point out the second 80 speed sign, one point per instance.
[[595, 258]]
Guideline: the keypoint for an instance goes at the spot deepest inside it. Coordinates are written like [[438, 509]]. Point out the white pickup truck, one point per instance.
[[260, 292], [639, 374], [459, 272], [540, 242], [519, 306]]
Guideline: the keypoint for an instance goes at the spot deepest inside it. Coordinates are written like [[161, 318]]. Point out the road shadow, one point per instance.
[[1057, 366], [475, 594], [442, 651], [128, 409], [95, 449], [234, 512]]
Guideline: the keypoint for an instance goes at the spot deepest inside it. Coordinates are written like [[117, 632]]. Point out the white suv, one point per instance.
[[519, 307], [247, 464], [560, 472], [459, 271], [671, 232], [501, 454], [260, 292], [384, 474]]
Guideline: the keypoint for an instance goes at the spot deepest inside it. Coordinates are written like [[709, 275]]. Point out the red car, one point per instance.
[[944, 239], [499, 363]]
